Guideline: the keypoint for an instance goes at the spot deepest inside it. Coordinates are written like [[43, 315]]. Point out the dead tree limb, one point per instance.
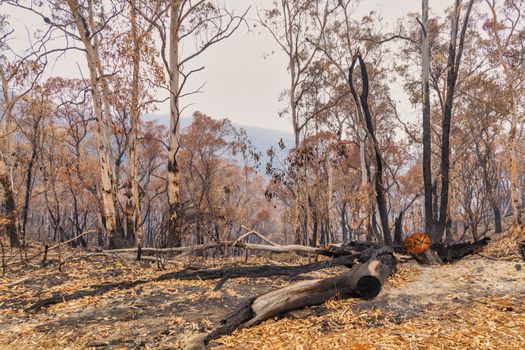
[[256, 271], [363, 281], [253, 232], [46, 250], [293, 248]]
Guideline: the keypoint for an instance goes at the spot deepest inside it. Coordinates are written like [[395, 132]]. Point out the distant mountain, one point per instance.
[[262, 138]]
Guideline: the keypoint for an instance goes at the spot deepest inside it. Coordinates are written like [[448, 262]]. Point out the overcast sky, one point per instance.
[[242, 82]]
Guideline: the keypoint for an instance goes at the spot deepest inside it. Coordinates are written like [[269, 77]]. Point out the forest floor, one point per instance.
[[476, 303]]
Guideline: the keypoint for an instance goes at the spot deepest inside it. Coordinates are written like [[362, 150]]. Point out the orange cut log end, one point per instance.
[[417, 243]]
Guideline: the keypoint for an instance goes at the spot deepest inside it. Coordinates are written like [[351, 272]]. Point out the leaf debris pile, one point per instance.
[[487, 323], [470, 308], [505, 245]]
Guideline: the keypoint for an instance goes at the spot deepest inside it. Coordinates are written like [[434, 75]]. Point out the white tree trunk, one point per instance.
[[174, 134], [103, 118]]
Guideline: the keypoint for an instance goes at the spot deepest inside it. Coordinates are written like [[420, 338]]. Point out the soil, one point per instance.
[[177, 314]]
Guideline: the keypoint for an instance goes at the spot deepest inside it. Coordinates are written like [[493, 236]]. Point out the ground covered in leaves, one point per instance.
[[477, 303]]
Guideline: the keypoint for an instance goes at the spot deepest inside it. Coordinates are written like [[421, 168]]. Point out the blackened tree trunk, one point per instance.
[[344, 227], [362, 106], [485, 160], [427, 148], [25, 208], [398, 229], [455, 52], [498, 228]]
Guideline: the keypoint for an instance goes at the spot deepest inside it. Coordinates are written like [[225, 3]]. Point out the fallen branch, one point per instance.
[[253, 232], [46, 250], [440, 253], [293, 248], [364, 281], [256, 271]]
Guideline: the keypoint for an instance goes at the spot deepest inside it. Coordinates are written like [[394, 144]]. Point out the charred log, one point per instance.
[[256, 271], [362, 281], [454, 252]]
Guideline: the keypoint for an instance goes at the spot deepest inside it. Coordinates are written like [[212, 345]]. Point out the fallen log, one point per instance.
[[332, 251], [454, 252], [222, 274], [256, 271], [440, 253], [430, 257], [364, 280]]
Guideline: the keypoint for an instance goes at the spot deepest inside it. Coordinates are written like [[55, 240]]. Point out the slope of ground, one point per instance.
[[474, 304], [477, 303]]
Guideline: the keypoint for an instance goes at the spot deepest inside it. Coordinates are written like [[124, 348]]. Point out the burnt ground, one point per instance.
[[176, 314]]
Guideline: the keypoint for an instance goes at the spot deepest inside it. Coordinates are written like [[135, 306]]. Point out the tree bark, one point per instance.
[[103, 118], [398, 229], [174, 232], [6, 180], [454, 252], [511, 90], [330, 234], [427, 140], [344, 227], [455, 52], [28, 190], [135, 213]]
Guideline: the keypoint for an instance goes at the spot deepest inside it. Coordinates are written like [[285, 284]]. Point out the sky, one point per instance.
[[243, 85], [243, 78]]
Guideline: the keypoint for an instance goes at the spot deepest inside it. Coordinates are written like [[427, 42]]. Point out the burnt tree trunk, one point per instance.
[[398, 229], [9, 207], [455, 52], [363, 108], [223, 274], [344, 227], [427, 141]]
